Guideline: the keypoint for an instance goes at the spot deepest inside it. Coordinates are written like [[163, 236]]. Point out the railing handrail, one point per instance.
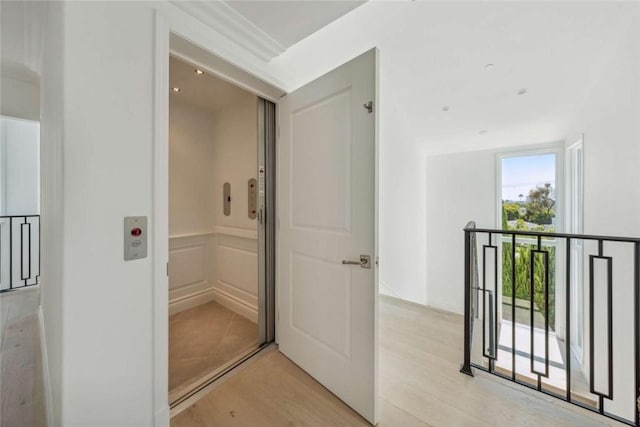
[[570, 239], [553, 234], [19, 216]]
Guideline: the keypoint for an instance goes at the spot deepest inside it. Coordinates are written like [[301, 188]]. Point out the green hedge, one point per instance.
[[523, 276]]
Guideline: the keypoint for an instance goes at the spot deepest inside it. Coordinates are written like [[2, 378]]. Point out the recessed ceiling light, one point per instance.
[[489, 67], [175, 89], [483, 132], [198, 71], [445, 108], [522, 91]]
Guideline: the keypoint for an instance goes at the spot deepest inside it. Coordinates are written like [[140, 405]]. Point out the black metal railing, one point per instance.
[[19, 251], [546, 280]]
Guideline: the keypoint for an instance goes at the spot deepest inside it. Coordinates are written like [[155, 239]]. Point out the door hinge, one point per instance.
[[368, 106], [167, 269]]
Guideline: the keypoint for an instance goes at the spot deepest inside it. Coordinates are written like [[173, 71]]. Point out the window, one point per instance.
[[529, 190], [529, 202]]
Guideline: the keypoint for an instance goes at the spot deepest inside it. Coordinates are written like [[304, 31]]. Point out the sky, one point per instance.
[[521, 174]]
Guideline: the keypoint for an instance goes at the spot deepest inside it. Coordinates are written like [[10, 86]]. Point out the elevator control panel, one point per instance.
[[135, 237], [252, 202]]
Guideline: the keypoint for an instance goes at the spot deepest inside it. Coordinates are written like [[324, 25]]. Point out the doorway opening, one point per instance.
[[221, 151], [531, 292]]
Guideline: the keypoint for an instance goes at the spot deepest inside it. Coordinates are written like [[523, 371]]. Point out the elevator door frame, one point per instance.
[[169, 41]]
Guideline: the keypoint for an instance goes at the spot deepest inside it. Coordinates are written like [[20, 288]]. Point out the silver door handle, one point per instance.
[[365, 261]]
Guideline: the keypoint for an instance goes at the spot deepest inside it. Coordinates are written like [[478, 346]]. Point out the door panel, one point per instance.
[[327, 208]]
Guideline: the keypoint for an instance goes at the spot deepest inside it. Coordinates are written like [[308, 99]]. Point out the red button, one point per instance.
[[136, 232]]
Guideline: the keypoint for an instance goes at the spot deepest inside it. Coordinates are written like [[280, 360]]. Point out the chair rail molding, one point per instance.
[[224, 19]]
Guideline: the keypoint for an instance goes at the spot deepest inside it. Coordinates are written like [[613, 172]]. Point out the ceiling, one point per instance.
[[434, 54], [203, 91], [288, 22]]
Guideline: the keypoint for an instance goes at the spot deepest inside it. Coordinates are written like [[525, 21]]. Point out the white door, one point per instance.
[[327, 319]]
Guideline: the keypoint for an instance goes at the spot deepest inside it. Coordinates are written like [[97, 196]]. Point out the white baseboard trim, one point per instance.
[[236, 305], [162, 418], [385, 289], [189, 301], [445, 307], [46, 380]]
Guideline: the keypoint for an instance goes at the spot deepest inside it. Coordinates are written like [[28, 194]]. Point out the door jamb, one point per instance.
[[160, 215]]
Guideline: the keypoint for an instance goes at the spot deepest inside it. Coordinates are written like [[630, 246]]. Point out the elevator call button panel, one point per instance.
[[135, 237]]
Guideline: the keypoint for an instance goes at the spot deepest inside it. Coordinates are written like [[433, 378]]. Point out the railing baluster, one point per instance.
[[466, 366], [636, 325], [491, 296], [29, 250], [11, 253], [26, 273], [532, 270], [496, 337], [1, 224], [609, 394], [567, 333], [39, 250], [513, 307]]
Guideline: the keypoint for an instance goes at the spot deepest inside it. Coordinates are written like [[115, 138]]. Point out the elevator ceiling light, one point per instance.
[[175, 89], [198, 71], [522, 91]]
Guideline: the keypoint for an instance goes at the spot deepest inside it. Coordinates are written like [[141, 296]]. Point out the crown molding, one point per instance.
[[23, 40], [224, 19]]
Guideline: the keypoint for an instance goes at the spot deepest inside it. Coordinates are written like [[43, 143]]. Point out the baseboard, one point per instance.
[[236, 305], [162, 418], [445, 307], [46, 380], [189, 301], [385, 289]]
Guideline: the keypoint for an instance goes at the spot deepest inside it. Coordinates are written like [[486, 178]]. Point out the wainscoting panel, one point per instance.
[[187, 266], [220, 265], [190, 280], [236, 272]]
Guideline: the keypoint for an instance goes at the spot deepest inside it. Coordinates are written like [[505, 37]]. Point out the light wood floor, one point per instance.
[[420, 354], [203, 339], [21, 387]]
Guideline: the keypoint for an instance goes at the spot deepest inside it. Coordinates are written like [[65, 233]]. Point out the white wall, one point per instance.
[[191, 205], [460, 187], [19, 167], [610, 122], [433, 54], [402, 203], [212, 256], [19, 98], [99, 344], [97, 124], [235, 135], [191, 169], [235, 132]]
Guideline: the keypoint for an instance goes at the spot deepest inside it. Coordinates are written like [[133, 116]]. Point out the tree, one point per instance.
[[511, 211], [539, 208]]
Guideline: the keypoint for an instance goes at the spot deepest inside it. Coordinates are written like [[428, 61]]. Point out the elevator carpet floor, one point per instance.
[[203, 339]]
